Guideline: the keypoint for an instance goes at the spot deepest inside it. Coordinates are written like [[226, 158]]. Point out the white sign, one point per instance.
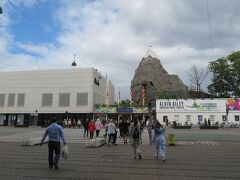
[[188, 104]]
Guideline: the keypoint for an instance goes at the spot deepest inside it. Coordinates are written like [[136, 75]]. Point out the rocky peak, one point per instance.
[[157, 82]]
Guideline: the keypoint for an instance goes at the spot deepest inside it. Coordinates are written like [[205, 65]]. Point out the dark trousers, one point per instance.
[[111, 137], [91, 135], [53, 147], [97, 132], [85, 131]]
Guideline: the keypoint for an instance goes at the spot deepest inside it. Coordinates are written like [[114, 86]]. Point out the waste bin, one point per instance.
[[171, 139]]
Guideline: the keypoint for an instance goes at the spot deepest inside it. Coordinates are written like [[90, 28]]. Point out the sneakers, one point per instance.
[[140, 157]]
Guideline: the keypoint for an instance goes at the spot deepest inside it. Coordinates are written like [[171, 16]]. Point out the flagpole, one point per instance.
[[131, 97], [118, 95], [143, 95]]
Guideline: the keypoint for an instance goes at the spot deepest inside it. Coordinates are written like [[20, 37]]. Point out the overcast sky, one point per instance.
[[113, 35]]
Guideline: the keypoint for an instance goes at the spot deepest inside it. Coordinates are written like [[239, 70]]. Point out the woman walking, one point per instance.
[[98, 126], [135, 138], [91, 128], [158, 138]]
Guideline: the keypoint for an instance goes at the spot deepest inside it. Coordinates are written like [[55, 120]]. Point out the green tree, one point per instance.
[[226, 76]]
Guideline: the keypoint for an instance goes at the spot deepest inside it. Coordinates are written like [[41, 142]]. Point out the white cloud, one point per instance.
[[113, 36]]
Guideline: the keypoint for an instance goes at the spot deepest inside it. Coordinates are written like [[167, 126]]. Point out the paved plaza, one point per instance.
[[199, 154]]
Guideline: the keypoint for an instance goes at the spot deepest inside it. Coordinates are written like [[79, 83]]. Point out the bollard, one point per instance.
[[171, 139]]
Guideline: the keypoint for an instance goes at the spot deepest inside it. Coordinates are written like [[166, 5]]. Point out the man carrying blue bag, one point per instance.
[[55, 133]]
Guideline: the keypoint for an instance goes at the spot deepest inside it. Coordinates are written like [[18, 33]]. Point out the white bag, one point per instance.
[[65, 152]]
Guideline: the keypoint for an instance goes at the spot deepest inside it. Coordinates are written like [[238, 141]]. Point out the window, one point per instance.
[[236, 118], [82, 99], [11, 98], [64, 99], [2, 100], [200, 118], [176, 117], [47, 99], [2, 119], [188, 117], [212, 118], [21, 98], [224, 118]]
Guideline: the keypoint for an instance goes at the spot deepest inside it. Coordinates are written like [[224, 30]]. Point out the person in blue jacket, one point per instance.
[[55, 134]]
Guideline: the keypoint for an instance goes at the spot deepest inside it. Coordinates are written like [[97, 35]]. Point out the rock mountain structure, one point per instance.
[[152, 81]]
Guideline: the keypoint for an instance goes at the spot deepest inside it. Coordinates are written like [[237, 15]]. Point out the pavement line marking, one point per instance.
[[215, 143], [209, 143], [202, 142]]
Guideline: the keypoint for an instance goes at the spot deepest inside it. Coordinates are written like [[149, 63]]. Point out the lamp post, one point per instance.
[[36, 118]]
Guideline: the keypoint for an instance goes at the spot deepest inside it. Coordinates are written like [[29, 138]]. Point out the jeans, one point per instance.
[[53, 147]]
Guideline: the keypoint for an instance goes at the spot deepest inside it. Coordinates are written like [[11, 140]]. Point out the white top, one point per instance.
[[151, 53]]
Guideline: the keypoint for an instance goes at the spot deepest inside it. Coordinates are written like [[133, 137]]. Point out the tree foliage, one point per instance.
[[226, 76]]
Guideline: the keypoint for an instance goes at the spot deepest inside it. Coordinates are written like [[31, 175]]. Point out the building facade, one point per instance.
[[33, 97], [195, 111]]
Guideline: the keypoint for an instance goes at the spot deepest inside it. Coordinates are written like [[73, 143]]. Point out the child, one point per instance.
[[158, 138]]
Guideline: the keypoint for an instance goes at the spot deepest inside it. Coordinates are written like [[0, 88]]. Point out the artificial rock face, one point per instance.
[[157, 83]]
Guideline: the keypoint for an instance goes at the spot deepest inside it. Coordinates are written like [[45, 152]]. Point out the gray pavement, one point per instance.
[[199, 154]]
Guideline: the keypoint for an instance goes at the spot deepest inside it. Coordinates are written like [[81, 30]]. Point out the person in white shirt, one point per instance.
[[111, 132], [98, 126]]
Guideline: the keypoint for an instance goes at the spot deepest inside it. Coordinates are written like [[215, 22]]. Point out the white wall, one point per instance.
[[34, 83]]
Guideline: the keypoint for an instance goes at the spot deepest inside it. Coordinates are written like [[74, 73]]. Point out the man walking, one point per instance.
[[135, 137], [54, 133]]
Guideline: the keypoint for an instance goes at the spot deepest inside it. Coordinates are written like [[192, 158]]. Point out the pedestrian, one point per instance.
[[135, 137], [120, 126], [79, 123], [209, 122], [158, 138], [74, 123], [69, 123], [106, 128], [54, 133], [91, 128], [150, 127], [125, 131], [85, 126], [98, 127], [111, 132], [65, 123]]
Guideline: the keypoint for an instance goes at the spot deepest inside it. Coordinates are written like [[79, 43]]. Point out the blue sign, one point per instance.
[[124, 110]]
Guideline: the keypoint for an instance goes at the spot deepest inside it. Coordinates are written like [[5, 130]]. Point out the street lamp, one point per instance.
[[36, 117]]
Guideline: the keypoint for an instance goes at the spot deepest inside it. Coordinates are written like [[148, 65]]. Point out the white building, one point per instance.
[[196, 110], [47, 93]]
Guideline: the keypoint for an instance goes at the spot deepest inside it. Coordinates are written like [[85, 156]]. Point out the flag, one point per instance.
[[131, 96], [118, 96], [143, 95], [107, 98]]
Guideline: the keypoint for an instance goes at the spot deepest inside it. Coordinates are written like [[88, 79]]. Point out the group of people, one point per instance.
[[90, 126], [72, 123], [132, 131]]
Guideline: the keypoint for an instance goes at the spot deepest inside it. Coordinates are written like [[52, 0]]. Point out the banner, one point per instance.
[[233, 104]]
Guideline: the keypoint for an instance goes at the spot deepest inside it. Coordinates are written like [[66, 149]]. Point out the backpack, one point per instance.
[[135, 133]]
